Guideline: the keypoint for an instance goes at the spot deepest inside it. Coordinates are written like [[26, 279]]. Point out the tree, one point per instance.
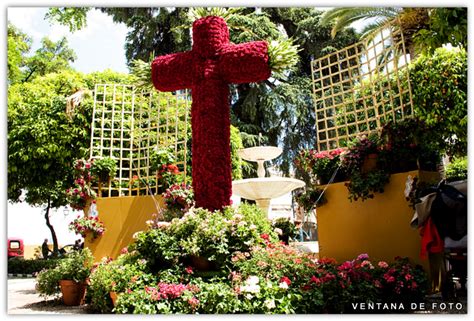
[[51, 57], [43, 142], [424, 29], [19, 44]]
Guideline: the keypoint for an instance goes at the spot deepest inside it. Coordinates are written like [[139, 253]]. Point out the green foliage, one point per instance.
[[343, 17], [439, 84], [310, 198], [42, 141], [283, 56], [447, 25], [104, 168], [363, 183], [126, 272], [287, 228], [74, 18], [76, 267], [19, 44], [141, 71], [161, 156], [457, 169], [51, 57], [30, 266], [235, 145]]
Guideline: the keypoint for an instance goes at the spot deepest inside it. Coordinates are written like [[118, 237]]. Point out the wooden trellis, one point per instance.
[[359, 88], [127, 125]]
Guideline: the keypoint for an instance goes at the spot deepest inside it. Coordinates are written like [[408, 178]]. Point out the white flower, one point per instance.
[[270, 304], [242, 223], [252, 280], [250, 288], [283, 285], [278, 231], [252, 227], [163, 224], [135, 235], [238, 217]]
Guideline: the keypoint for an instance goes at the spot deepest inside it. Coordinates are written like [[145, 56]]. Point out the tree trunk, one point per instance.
[[51, 228]]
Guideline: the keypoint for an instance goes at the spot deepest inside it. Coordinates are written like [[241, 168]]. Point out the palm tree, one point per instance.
[[410, 21]]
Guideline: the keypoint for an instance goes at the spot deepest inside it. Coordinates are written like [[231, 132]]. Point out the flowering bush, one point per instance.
[[125, 273], [321, 165], [268, 277], [83, 225], [81, 193], [179, 198], [214, 236]]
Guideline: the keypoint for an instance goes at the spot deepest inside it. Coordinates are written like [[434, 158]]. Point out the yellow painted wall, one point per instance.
[[122, 217], [379, 227]]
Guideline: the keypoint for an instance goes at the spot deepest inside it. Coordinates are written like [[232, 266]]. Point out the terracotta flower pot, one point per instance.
[[200, 263], [113, 296], [370, 163], [73, 292]]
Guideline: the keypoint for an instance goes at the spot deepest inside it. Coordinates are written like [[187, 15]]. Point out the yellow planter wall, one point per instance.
[[122, 217], [379, 227]]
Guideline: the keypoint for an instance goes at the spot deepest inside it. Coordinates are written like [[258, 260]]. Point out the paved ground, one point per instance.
[[23, 299]]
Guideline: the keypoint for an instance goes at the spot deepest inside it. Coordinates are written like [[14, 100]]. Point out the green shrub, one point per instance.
[[235, 145], [439, 85], [76, 267], [457, 169], [31, 266], [126, 272]]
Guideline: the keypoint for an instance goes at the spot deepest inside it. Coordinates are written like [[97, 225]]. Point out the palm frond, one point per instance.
[[343, 17]]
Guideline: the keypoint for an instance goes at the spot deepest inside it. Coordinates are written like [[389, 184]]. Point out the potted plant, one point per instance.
[[321, 166], [103, 169], [162, 161], [68, 278], [285, 229], [81, 194], [365, 168], [84, 225]]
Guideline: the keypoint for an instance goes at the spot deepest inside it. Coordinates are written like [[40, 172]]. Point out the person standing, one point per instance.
[[45, 249]]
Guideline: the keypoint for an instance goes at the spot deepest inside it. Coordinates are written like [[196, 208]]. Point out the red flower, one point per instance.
[[207, 69], [189, 270], [265, 236], [315, 280], [286, 280]]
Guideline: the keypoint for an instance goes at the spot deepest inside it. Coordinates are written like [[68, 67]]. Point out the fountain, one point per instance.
[[262, 189]]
